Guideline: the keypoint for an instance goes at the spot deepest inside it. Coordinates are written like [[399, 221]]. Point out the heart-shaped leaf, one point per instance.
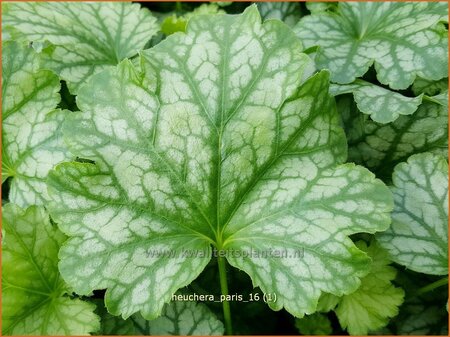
[[216, 142]]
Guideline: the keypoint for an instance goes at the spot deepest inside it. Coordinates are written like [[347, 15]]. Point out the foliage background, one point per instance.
[[420, 307]]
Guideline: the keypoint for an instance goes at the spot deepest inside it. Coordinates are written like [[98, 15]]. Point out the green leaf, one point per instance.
[[401, 38], [215, 143], [327, 302], [181, 319], [177, 319], [224, 3], [174, 23], [424, 311], [383, 105], [376, 301], [423, 319], [288, 12], [34, 297], [428, 87], [318, 6], [381, 146], [88, 37], [31, 138], [441, 99], [112, 325], [418, 236], [314, 325]]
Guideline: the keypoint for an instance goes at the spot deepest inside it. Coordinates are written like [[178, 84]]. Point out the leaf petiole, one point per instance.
[[224, 290], [432, 286]]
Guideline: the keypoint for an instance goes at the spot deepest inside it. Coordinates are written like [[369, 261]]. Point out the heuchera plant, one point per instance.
[[288, 160]]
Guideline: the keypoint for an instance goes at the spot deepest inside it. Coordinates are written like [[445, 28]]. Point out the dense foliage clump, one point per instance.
[[196, 169]]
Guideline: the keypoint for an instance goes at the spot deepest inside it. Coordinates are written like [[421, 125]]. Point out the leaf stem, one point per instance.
[[224, 290], [432, 286], [430, 99]]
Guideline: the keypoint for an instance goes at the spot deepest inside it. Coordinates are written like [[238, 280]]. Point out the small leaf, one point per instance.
[[401, 38], [288, 12], [34, 297], [381, 146], [31, 139], [217, 142], [113, 325], [383, 105], [88, 36], [174, 23], [418, 236], [314, 325], [376, 301]]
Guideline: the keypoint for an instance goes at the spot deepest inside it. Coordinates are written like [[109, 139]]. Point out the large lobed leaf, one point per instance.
[[31, 138], [400, 38], [88, 36], [33, 293], [215, 142], [418, 237]]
